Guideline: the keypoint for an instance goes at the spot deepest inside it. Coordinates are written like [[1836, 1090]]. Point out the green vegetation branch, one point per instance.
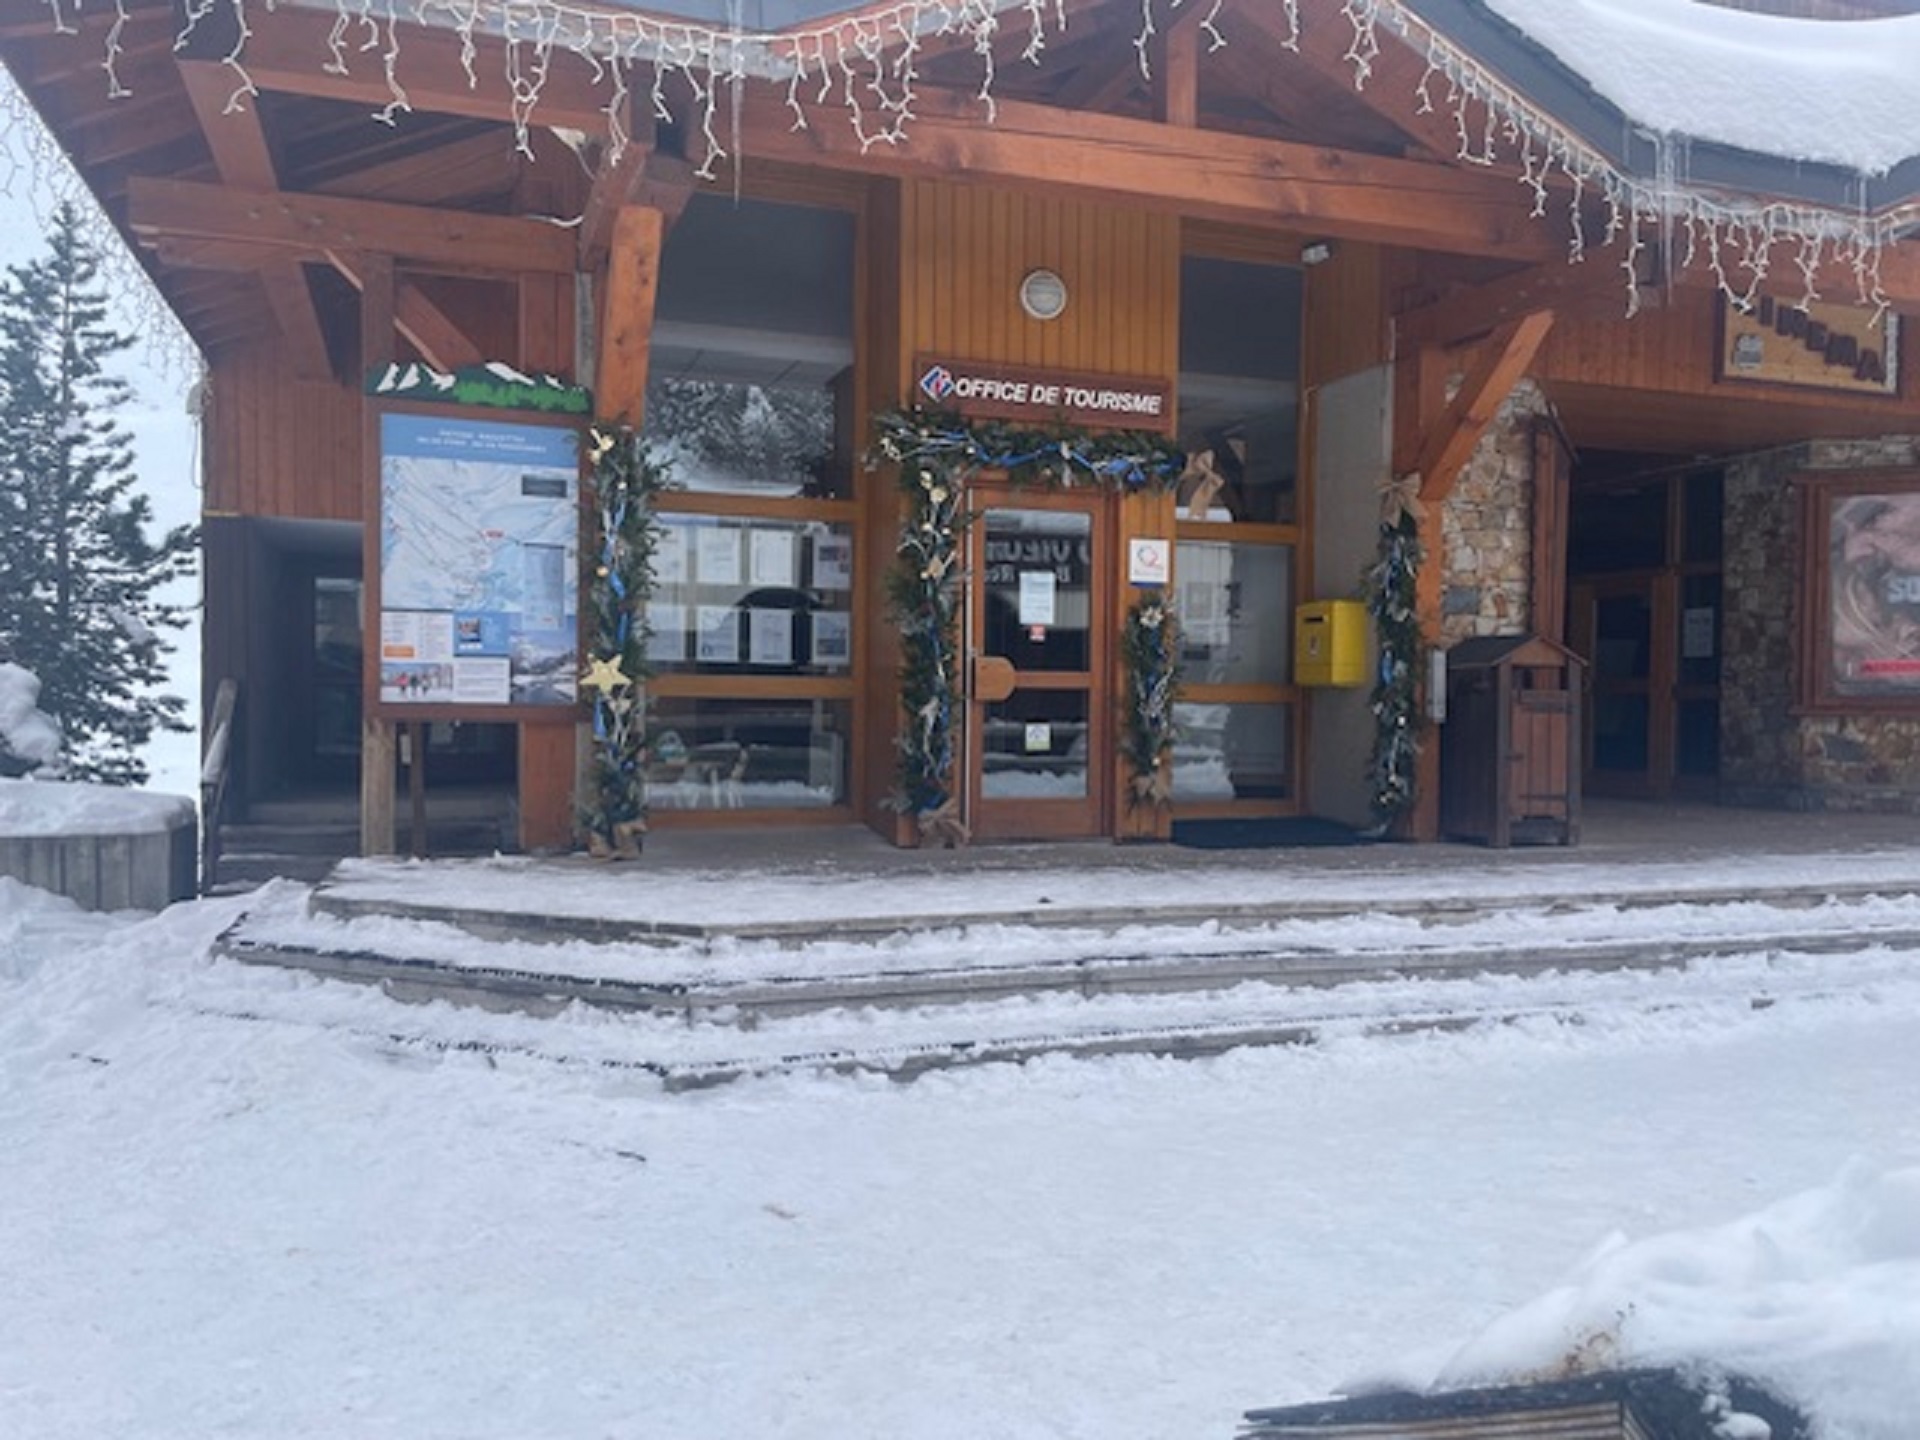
[[1150, 647], [625, 487], [1391, 590], [938, 454]]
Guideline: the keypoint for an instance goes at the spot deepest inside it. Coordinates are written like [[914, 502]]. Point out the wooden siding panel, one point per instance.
[[966, 248], [1344, 324], [276, 445]]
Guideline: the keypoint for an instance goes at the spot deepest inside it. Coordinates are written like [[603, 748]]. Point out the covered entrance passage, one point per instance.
[[1038, 747]]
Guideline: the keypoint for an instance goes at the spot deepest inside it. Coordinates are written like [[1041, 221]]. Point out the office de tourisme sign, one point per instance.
[[986, 390]]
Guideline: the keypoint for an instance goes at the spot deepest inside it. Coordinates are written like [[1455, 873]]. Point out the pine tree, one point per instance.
[[79, 576]]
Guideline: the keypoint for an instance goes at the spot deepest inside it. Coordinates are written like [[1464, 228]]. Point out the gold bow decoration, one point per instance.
[[1400, 499], [1153, 787], [623, 843], [945, 826], [1198, 484]]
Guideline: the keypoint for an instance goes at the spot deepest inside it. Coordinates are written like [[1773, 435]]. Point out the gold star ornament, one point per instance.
[[605, 674]]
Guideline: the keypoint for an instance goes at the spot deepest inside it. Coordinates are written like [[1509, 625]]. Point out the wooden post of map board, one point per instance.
[[377, 745]]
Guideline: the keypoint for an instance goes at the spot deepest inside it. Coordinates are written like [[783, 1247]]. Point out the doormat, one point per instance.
[[1266, 832]]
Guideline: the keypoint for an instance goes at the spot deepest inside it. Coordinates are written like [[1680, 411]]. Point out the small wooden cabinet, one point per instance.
[[1510, 748]]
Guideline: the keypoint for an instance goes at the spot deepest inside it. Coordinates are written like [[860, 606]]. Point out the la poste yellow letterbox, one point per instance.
[[1330, 643]]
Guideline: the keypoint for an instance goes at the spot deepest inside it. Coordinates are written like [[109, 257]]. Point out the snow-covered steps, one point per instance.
[[684, 1051], [554, 902], [980, 990]]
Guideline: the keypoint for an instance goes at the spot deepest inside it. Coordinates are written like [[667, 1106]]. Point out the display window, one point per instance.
[[1237, 512], [752, 633]]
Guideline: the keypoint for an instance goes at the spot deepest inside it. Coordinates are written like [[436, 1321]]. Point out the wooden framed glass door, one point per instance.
[[1038, 745]]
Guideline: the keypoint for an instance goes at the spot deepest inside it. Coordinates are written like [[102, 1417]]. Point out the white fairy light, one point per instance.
[[111, 64], [244, 89], [868, 62], [38, 173]]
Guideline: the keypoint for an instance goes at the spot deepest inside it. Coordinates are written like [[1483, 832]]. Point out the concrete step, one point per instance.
[[700, 1046], [635, 976], [342, 809]]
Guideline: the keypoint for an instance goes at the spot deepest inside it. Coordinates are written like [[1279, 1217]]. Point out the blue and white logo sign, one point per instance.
[[937, 384]]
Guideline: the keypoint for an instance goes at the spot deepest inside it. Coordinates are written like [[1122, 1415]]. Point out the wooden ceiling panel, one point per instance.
[[1602, 418]]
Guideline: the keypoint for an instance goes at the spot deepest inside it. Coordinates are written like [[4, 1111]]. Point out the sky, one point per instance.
[[165, 436]]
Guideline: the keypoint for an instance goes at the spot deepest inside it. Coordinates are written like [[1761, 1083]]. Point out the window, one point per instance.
[[1234, 565], [751, 405]]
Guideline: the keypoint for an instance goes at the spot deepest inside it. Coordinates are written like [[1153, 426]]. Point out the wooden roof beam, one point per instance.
[[418, 177], [1391, 92], [310, 227], [288, 56], [616, 179], [1449, 444], [663, 183], [1202, 174], [244, 159], [1473, 311], [1176, 70], [429, 329]]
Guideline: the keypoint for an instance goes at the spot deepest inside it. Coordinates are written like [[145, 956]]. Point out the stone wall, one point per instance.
[[1768, 754], [1487, 528]]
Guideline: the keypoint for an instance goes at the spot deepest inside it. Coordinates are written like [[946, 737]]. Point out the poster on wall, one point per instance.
[[479, 554], [1874, 570]]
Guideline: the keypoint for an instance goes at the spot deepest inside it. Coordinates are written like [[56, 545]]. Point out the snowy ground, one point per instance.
[[250, 1203]]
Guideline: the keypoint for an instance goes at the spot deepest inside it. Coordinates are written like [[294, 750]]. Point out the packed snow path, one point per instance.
[[337, 1217]]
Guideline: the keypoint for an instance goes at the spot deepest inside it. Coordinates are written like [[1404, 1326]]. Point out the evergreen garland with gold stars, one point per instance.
[[938, 454], [1395, 700], [1150, 647], [626, 483]]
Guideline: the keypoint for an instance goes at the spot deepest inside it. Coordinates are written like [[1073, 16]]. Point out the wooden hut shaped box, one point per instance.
[[1510, 750]]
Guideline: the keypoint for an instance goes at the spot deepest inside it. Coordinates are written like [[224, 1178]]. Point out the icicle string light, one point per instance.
[[868, 63], [35, 172]]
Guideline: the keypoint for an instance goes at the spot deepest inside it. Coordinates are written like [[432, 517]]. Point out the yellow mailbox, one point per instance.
[[1330, 643]]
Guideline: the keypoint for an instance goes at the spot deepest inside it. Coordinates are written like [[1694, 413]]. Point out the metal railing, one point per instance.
[[215, 765]]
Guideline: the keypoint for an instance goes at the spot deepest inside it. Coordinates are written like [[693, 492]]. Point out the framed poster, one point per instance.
[[477, 565], [1864, 589]]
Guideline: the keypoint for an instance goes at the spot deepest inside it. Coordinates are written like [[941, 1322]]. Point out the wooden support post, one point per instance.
[[1419, 393], [376, 735], [1551, 505], [1436, 449], [416, 790], [1447, 446], [1142, 515], [1176, 71], [626, 316], [546, 753]]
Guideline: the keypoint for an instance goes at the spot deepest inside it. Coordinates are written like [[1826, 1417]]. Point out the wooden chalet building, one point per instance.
[[1353, 252]]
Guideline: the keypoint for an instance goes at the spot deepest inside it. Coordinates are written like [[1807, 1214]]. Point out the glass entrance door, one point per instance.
[[1039, 752]]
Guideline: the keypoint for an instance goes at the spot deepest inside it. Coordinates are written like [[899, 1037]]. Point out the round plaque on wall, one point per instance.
[[1043, 294]]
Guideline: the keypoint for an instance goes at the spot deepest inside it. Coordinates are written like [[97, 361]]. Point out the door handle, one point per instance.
[[994, 678]]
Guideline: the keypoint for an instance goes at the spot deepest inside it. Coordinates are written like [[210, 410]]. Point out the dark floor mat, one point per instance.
[[1274, 832]]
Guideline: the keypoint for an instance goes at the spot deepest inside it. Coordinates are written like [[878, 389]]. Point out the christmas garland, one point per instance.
[[1395, 701], [937, 455], [626, 483], [1150, 646]]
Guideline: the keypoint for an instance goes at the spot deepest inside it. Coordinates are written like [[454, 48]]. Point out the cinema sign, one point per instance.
[[987, 390], [1825, 346]]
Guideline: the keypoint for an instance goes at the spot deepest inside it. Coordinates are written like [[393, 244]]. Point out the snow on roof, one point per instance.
[[1822, 91]]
